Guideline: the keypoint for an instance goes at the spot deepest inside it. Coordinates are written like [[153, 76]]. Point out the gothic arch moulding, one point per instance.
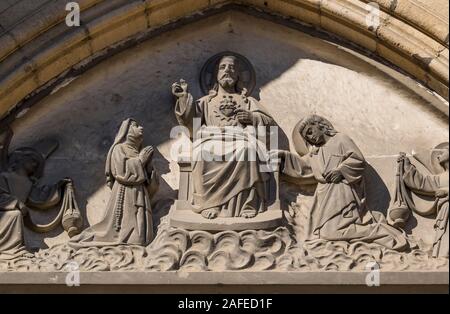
[[38, 54]]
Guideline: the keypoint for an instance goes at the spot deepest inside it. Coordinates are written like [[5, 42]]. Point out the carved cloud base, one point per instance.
[[251, 250]]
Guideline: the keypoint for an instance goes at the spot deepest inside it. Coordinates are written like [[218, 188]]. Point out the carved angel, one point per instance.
[[20, 193], [430, 182]]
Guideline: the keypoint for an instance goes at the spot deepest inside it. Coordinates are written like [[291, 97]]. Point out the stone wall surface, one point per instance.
[[37, 47]]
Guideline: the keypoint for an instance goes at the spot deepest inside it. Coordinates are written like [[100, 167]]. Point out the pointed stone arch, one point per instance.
[[38, 50]]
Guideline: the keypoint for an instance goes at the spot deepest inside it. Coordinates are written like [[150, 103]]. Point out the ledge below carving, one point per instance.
[[231, 282]]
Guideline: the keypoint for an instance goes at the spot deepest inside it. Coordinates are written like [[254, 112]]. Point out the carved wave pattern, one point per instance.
[[322, 255], [228, 250], [252, 250], [63, 258], [172, 249]]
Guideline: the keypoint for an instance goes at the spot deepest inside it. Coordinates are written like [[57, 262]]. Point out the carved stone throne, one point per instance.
[[183, 216]]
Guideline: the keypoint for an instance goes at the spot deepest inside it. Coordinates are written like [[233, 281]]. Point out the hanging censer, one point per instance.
[[69, 215], [71, 220], [401, 209]]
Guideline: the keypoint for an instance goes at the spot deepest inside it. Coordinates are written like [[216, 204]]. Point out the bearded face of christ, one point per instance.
[[227, 75]]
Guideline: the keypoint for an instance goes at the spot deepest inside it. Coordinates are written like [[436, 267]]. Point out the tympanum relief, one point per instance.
[[230, 213]]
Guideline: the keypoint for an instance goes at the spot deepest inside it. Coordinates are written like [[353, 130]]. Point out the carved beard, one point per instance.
[[226, 81]]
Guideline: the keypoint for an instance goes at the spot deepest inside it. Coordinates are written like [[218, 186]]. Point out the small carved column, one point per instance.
[[185, 180]]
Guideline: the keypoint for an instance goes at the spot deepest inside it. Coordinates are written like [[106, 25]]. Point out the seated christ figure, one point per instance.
[[229, 183]]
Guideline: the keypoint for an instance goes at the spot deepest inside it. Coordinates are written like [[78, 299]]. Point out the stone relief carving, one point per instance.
[[133, 181], [339, 211], [20, 194], [224, 180], [253, 250], [432, 182], [224, 186], [208, 74], [225, 217]]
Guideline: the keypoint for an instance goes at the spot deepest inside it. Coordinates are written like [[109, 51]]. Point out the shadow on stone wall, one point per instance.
[[378, 196]]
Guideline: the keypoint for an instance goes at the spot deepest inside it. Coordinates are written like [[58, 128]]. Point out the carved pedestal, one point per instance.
[[182, 215]]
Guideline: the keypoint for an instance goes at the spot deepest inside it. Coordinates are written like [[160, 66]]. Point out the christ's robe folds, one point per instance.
[[230, 177], [339, 209]]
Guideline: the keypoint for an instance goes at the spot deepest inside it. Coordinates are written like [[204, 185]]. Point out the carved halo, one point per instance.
[[208, 74], [300, 145], [435, 152]]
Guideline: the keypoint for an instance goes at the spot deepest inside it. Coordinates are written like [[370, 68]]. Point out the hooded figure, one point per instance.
[[437, 185], [18, 191], [130, 175]]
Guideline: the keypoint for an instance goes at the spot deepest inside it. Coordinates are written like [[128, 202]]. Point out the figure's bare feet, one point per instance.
[[248, 212], [210, 213]]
